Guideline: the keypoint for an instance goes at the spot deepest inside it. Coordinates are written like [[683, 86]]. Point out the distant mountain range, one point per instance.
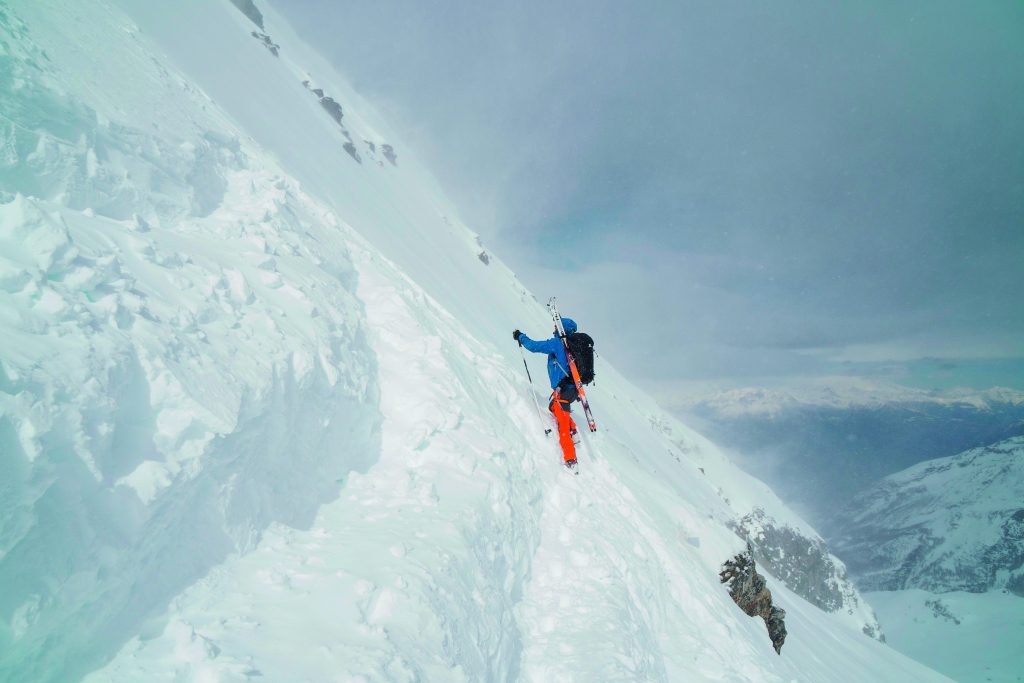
[[819, 445], [844, 393]]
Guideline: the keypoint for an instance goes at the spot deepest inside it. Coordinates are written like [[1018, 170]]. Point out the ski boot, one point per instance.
[[571, 465]]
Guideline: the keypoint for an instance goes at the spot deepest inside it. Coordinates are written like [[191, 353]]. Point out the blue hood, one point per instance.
[[569, 324]]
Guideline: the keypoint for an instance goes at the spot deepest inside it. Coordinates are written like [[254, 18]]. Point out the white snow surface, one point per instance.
[[261, 417], [970, 637]]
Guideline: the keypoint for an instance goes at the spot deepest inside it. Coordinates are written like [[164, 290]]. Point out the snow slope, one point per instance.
[[971, 637], [261, 418], [457, 558]]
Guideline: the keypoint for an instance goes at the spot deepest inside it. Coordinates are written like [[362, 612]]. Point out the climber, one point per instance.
[[562, 385]]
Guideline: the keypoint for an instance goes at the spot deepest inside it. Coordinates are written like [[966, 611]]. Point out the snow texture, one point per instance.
[[261, 418]]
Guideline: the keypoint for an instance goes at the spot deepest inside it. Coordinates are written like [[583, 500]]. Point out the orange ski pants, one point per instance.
[[560, 408]]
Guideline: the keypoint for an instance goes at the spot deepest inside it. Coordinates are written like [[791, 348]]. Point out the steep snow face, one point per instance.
[[949, 524], [175, 316], [467, 554], [261, 417]]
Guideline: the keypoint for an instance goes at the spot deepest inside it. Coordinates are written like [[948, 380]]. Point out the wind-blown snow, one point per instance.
[[261, 416]]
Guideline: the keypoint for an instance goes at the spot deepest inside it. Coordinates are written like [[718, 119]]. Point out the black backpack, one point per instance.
[[581, 348]]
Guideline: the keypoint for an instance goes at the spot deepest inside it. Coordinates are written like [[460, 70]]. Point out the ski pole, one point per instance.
[[547, 430]]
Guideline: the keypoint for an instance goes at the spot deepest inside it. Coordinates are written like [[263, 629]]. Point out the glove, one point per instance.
[[515, 335]]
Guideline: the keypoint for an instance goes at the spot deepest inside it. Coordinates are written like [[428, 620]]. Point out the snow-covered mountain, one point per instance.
[[261, 417], [942, 543], [948, 524]]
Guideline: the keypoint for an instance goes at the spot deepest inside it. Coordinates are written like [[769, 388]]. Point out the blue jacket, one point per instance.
[[558, 364]]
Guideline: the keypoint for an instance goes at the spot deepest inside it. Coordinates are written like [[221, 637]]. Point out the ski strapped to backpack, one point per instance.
[[573, 368]]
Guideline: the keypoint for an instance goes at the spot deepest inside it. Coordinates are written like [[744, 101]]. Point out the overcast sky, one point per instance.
[[733, 192]]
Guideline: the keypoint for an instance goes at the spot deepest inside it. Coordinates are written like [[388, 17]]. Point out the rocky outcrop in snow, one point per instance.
[[804, 564], [267, 42], [948, 524], [749, 590], [249, 9]]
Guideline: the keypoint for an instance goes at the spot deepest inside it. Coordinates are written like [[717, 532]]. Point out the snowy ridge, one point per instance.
[[261, 417], [457, 559], [947, 524]]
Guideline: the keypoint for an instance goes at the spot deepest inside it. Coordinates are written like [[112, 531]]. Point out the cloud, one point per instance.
[[768, 188]]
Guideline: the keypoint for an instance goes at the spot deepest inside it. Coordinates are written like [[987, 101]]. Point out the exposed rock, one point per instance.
[[941, 610], [353, 152], [332, 108], [802, 563], [484, 258], [248, 8], [389, 154], [335, 111], [267, 43], [873, 631], [749, 591]]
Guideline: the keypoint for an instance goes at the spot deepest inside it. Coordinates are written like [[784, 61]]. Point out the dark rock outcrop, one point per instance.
[[389, 154], [248, 8], [803, 564], [353, 152], [274, 48], [749, 591], [335, 111], [332, 108]]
